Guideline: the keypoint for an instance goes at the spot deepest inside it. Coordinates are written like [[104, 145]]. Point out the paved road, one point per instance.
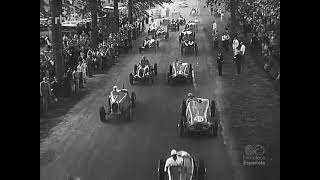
[[83, 146]]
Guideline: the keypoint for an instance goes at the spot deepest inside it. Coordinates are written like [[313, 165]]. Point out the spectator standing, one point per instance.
[[242, 52], [54, 89], [45, 93], [220, 63], [235, 44], [75, 77], [84, 71], [79, 70]]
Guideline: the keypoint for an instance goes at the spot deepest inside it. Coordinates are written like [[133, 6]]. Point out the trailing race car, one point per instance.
[[179, 71], [165, 21], [193, 25], [181, 20], [148, 44], [120, 105], [187, 41], [162, 34], [197, 115], [190, 169], [173, 26], [143, 73]]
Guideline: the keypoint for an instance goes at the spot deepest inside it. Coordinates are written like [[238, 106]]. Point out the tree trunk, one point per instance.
[[56, 9], [94, 29], [233, 9], [116, 14], [130, 14]]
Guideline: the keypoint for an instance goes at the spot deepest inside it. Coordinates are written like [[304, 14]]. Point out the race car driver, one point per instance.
[[174, 160]]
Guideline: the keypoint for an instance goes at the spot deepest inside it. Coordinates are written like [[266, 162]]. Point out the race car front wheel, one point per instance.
[[131, 79], [102, 113]]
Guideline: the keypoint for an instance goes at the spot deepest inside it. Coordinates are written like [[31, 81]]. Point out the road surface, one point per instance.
[[81, 145]]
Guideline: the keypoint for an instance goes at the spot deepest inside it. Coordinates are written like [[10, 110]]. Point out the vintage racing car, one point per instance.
[[143, 73], [187, 40], [197, 115], [149, 43], [193, 25], [165, 21], [173, 25], [191, 168], [179, 72], [183, 4], [162, 34], [120, 105]]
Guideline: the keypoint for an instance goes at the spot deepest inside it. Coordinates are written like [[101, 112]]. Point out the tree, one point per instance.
[[116, 14], [56, 10], [94, 17]]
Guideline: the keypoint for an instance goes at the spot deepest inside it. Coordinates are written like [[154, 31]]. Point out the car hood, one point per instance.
[[197, 111], [118, 96]]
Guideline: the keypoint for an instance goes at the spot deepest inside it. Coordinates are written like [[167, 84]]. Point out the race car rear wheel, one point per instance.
[[161, 172], [201, 170], [213, 108], [102, 113], [155, 69], [133, 99], [135, 69], [131, 78]]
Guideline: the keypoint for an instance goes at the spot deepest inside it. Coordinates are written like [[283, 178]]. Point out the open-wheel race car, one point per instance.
[[120, 104], [173, 25], [193, 25], [187, 41], [149, 43], [162, 34], [198, 115], [143, 73], [180, 72], [190, 168]]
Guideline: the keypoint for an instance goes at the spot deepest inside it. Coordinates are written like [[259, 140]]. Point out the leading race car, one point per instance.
[[180, 72], [187, 40], [149, 43], [190, 169], [173, 25], [143, 72], [197, 115], [120, 105]]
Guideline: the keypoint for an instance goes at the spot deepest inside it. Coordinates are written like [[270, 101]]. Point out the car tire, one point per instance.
[[161, 172], [102, 113], [135, 69], [133, 99], [155, 68], [201, 170], [131, 79], [213, 108]]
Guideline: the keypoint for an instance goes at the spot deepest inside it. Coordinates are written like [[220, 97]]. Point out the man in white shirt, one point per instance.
[[214, 28], [174, 160], [235, 44], [242, 51]]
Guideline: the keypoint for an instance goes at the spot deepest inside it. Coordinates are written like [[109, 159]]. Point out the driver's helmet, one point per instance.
[[115, 88], [190, 95], [173, 152]]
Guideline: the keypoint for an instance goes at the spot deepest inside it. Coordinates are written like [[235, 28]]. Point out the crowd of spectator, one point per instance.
[[262, 18], [81, 60]]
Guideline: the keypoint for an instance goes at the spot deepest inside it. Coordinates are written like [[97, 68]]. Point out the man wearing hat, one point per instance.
[[220, 63], [174, 160]]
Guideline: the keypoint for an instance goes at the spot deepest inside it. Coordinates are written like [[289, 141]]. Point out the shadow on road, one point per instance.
[[50, 119]]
